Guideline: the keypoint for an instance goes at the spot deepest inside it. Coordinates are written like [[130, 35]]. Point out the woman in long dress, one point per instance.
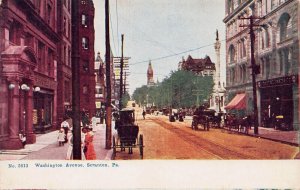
[[90, 153], [70, 148]]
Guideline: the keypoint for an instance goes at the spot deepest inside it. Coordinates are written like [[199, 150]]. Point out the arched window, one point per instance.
[[231, 53], [285, 26]]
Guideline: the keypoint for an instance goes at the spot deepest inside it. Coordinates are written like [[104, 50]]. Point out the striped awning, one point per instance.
[[237, 103]]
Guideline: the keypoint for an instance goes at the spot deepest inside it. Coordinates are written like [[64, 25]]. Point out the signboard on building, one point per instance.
[[288, 80]]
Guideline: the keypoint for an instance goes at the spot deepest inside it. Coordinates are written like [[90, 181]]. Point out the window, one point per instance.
[[85, 43], [84, 20], [85, 66], [41, 56], [83, 2], [65, 26], [49, 70], [231, 53], [285, 26], [85, 89], [49, 13], [267, 35]]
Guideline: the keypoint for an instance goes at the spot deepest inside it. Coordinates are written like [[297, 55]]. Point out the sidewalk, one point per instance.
[[46, 148]]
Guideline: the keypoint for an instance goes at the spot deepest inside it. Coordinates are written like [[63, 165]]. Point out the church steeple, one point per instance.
[[150, 81]]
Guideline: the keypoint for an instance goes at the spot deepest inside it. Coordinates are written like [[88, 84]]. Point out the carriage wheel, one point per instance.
[[114, 148], [141, 143]]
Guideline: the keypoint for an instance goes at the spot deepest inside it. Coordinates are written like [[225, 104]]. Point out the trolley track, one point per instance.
[[215, 149]]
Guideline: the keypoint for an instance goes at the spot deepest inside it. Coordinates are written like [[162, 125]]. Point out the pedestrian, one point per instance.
[[61, 137], [89, 150], [94, 122], [70, 148], [65, 126], [144, 113], [22, 138], [84, 119]]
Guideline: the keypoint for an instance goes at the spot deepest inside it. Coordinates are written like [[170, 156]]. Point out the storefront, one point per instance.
[[42, 109], [277, 99]]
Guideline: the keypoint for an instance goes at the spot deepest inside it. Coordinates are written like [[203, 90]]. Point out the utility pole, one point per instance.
[[121, 73], [255, 68], [108, 79], [76, 83], [124, 91]]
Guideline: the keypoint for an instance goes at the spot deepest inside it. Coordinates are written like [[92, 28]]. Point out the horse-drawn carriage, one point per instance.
[[128, 133], [205, 117]]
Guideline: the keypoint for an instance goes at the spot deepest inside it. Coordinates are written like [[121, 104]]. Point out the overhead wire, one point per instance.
[[174, 54]]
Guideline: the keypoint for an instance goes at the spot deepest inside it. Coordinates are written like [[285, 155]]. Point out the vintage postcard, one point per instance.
[[160, 94]]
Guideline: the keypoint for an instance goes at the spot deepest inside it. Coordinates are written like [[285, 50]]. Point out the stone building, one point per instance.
[[28, 83], [276, 52]]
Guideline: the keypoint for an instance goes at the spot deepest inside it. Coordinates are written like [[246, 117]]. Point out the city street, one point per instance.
[[166, 140]]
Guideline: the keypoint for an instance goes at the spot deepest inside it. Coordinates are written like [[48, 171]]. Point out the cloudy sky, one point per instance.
[[162, 31]]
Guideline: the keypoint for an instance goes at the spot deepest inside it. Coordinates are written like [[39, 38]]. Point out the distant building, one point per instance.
[[150, 80], [276, 52], [100, 83], [202, 67]]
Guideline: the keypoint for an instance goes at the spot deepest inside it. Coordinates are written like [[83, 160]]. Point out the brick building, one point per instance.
[[276, 52], [202, 67], [28, 67], [85, 38], [64, 72]]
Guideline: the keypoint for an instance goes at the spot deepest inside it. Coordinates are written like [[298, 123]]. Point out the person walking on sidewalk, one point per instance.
[[89, 150], [70, 148], [65, 126], [94, 123], [61, 137], [144, 113]]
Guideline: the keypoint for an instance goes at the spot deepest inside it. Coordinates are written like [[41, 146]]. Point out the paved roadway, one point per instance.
[[165, 140]]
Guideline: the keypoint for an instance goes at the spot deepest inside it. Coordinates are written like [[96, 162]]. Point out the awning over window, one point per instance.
[[238, 102]]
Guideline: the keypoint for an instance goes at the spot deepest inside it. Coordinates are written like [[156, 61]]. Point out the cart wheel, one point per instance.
[[114, 148], [141, 143]]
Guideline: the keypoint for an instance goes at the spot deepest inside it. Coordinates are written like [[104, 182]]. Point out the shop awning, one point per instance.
[[237, 103]]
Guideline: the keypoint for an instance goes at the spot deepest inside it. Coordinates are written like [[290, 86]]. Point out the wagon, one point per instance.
[[128, 133]]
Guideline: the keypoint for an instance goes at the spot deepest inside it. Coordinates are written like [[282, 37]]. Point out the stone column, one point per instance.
[[30, 136], [14, 141]]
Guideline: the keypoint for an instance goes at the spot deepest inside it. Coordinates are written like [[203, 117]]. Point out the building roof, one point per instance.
[[198, 65]]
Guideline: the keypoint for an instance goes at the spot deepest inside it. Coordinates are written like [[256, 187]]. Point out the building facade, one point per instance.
[[28, 65], [100, 84], [86, 35], [64, 70], [276, 52], [202, 67]]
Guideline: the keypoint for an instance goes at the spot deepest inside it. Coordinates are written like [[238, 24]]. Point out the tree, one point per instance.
[[177, 90]]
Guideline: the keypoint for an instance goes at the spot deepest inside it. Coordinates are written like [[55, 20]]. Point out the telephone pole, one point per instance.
[[75, 83], [108, 79], [255, 68], [121, 73]]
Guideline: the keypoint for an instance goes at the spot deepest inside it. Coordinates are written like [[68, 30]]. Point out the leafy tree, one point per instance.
[[180, 89]]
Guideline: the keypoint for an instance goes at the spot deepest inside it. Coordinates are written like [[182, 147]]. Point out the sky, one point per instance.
[[162, 31]]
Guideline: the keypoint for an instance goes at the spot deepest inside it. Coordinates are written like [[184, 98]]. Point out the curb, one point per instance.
[[272, 139]]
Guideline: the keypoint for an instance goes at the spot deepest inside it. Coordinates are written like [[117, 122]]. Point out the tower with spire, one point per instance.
[[150, 81], [218, 96]]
